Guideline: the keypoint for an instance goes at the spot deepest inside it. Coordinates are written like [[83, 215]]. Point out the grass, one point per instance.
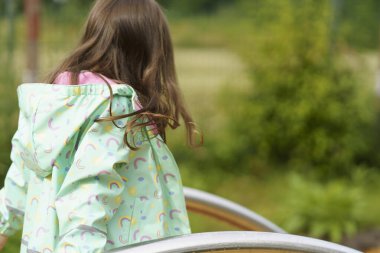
[[202, 73]]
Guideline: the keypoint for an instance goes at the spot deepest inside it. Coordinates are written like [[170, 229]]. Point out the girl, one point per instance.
[[90, 168]]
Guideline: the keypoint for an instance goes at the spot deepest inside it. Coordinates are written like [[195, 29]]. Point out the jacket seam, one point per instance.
[[32, 251], [132, 217], [114, 88], [16, 211], [33, 127], [85, 228]]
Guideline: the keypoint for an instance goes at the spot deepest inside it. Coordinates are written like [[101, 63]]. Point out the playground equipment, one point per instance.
[[225, 210], [271, 239], [236, 242], [32, 10]]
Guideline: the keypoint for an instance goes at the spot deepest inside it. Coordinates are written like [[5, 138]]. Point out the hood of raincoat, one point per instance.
[[62, 113]]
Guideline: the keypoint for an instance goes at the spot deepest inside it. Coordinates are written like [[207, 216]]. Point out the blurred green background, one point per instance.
[[284, 91]]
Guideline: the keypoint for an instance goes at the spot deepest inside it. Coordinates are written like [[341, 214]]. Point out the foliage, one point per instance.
[[307, 109], [324, 210], [360, 23], [307, 106], [8, 116], [194, 7], [14, 243]]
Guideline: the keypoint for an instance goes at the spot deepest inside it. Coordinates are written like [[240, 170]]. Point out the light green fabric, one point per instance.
[[74, 186]]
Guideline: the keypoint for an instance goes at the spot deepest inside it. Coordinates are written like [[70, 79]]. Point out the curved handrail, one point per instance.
[[211, 205], [236, 241]]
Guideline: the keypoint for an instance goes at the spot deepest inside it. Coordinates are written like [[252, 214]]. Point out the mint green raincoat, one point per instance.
[[73, 186]]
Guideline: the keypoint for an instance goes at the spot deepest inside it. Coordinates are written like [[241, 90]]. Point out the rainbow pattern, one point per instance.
[[160, 215], [50, 124], [114, 183], [124, 218], [50, 207], [166, 175], [145, 238], [79, 166], [34, 200], [103, 172], [122, 240], [139, 159], [41, 229], [82, 234], [47, 249], [135, 234], [140, 200], [112, 139], [90, 145]]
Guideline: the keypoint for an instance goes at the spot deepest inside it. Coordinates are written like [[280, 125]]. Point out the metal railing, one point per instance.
[[220, 208], [271, 239], [236, 242]]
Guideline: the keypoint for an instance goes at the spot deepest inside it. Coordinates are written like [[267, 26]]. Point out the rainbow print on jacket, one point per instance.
[[73, 186]]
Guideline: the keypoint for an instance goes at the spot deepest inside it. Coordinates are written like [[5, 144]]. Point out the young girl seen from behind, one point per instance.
[[90, 167]]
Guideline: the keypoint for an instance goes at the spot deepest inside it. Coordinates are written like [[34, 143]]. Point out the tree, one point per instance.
[[305, 110], [194, 7]]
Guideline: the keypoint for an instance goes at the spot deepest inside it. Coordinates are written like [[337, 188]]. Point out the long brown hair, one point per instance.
[[129, 41]]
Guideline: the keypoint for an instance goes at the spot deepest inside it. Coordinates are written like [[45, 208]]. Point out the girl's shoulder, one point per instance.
[[85, 77], [88, 77]]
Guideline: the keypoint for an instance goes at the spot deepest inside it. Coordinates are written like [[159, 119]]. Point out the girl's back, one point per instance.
[[85, 188], [90, 168]]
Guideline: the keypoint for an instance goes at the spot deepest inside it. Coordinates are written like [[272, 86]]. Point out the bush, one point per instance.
[[193, 7], [307, 108], [8, 114], [329, 210]]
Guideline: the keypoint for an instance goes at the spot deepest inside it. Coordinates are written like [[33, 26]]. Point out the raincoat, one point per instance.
[[73, 186]]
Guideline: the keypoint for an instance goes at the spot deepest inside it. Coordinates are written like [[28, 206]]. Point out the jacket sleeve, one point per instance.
[[91, 191], [13, 193]]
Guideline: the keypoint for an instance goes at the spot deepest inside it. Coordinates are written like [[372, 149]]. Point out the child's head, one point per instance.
[[129, 41]]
